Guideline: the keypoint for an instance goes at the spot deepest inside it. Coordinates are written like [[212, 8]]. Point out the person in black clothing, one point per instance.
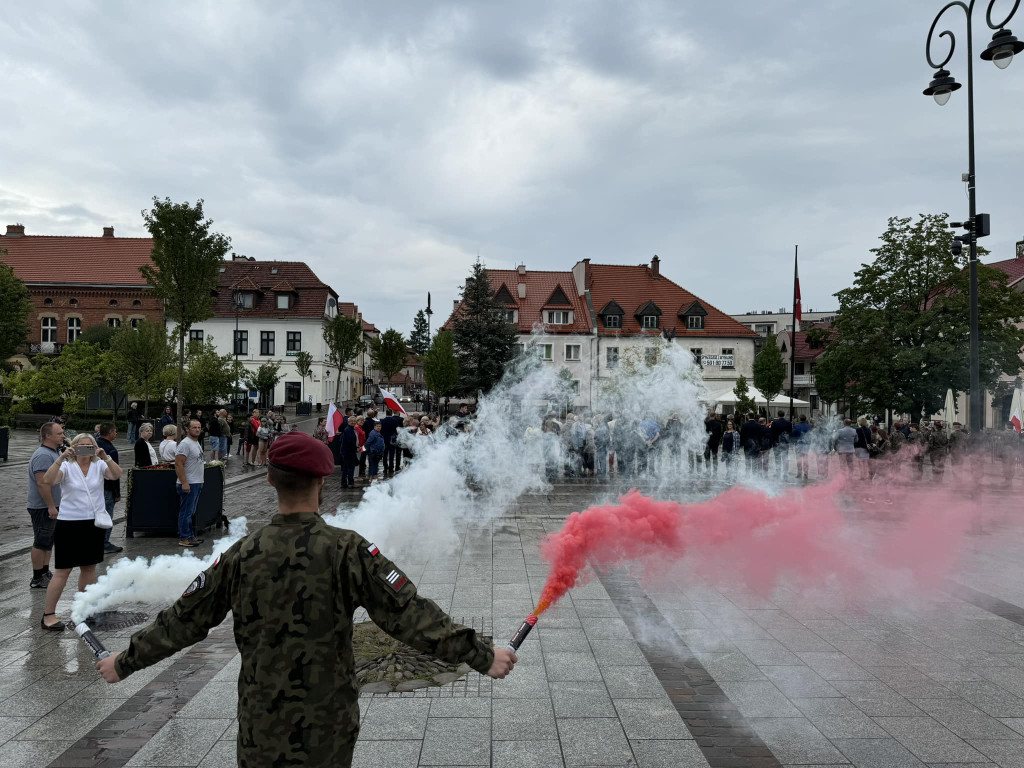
[[369, 420], [672, 437], [349, 456], [781, 430], [750, 439], [133, 423], [213, 430], [730, 449], [713, 427], [166, 418], [389, 427]]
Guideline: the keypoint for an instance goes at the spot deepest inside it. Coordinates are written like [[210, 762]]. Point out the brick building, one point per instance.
[[78, 282]]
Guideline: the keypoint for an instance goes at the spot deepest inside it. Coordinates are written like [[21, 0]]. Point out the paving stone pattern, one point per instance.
[[624, 671]]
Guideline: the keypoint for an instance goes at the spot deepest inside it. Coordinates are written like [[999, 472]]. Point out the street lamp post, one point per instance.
[[1000, 51], [428, 312]]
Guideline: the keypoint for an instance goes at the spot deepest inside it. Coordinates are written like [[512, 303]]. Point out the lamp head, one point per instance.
[[941, 87], [1002, 49]]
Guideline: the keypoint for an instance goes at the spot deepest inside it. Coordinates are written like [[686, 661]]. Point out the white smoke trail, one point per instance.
[[156, 582]]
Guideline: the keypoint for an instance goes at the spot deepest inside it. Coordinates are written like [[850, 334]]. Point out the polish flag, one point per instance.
[[334, 419], [391, 401], [1015, 411], [797, 306]]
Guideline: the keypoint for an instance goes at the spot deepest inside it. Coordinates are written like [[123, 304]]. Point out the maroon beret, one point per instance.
[[302, 453]]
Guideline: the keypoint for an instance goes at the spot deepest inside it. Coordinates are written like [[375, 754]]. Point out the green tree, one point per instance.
[[304, 367], [440, 366], [745, 404], [831, 379], [143, 356], [67, 378], [903, 326], [264, 379], [15, 307], [100, 335], [388, 353], [769, 373], [208, 376], [484, 341], [419, 339], [344, 339], [186, 257]]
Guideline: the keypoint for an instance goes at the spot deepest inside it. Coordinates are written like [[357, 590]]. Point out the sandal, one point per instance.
[[58, 627]]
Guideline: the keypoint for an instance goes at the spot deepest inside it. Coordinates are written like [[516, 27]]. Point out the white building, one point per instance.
[[269, 311], [766, 323]]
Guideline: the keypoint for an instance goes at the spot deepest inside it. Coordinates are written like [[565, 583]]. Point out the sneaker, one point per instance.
[[186, 543], [39, 582], [195, 542], [111, 549]]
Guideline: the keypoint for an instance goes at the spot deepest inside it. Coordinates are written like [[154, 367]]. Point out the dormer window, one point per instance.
[[245, 300], [284, 301], [650, 321], [559, 317], [693, 315], [695, 322], [613, 321], [648, 315]]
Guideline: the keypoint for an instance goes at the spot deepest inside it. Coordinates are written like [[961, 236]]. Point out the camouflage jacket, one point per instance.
[[293, 587]]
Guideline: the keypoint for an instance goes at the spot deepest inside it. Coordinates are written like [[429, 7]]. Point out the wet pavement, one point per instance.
[[619, 673]]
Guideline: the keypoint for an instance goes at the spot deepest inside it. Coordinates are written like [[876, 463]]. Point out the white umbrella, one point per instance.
[[949, 411], [754, 394]]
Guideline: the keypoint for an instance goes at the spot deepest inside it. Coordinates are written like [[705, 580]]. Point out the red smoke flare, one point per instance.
[[801, 533]]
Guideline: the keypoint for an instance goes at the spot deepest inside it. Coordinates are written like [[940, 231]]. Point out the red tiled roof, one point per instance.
[[632, 287], [65, 260], [804, 351], [540, 285], [1014, 268], [309, 293], [404, 379], [412, 360]]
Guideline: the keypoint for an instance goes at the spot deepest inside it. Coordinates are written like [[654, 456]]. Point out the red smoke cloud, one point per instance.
[[802, 535]]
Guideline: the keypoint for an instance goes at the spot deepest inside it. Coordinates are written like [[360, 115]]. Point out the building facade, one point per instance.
[[268, 312], [76, 283], [766, 323]]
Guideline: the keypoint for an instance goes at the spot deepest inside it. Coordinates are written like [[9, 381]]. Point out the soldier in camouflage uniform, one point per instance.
[[917, 441], [938, 449], [292, 588]]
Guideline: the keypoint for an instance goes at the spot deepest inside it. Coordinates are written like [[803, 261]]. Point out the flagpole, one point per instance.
[[792, 340]]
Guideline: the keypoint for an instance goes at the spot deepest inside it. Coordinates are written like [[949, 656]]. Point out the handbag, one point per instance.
[[101, 518]]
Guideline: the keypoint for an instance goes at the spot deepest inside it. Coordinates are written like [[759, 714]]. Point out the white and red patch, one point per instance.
[[372, 549], [395, 579]]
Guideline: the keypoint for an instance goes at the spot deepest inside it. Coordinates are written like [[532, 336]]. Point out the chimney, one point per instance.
[[108, 231], [656, 267], [521, 269], [15, 230], [1020, 248], [522, 290]]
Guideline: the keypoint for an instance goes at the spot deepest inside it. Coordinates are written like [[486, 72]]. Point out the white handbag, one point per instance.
[[101, 517]]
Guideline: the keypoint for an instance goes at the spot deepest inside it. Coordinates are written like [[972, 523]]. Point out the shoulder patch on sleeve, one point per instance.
[[372, 549], [394, 578], [197, 584]]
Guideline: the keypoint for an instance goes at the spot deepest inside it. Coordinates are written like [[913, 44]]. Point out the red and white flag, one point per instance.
[[1016, 418], [391, 401], [797, 309], [334, 421]]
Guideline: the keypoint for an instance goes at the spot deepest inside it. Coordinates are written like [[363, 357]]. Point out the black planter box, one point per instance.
[[5, 439], [152, 505]]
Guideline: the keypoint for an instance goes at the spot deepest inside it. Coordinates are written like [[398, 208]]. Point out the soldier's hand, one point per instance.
[[107, 668], [504, 660]]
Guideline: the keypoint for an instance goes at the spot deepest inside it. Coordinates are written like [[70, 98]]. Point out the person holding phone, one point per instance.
[[77, 542]]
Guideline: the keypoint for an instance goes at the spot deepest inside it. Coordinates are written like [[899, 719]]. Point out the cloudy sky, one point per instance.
[[388, 144]]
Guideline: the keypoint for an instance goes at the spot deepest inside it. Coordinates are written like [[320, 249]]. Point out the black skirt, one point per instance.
[[77, 543]]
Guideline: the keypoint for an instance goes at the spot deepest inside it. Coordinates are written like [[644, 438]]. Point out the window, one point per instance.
[[799, 369], [49, 333], [558, 317], [727, 358], [73, 302], [572, 352], [698, 354], [195, 335], [74, 328], [695, 322], [292, 391], [113, 302], [47, 302], [612, 356], [136, 303], [266, 342], [545, 351], [294, 341], [114, 322], [134, 322], [613, 321], [244, 300], [284, 300], [508, 315], [764, 328], [650, 321], [651, 356], [241, 342], [574, 386]]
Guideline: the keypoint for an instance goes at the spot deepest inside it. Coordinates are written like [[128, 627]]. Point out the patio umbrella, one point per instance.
[[949, 411], [1016, 417]]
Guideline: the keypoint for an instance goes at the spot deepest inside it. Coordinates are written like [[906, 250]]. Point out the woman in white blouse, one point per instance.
[[77, 542], [169, 444]]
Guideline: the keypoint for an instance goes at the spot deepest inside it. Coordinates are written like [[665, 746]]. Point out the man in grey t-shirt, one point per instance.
[[188, 464], [43, 501], [845, 439]]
